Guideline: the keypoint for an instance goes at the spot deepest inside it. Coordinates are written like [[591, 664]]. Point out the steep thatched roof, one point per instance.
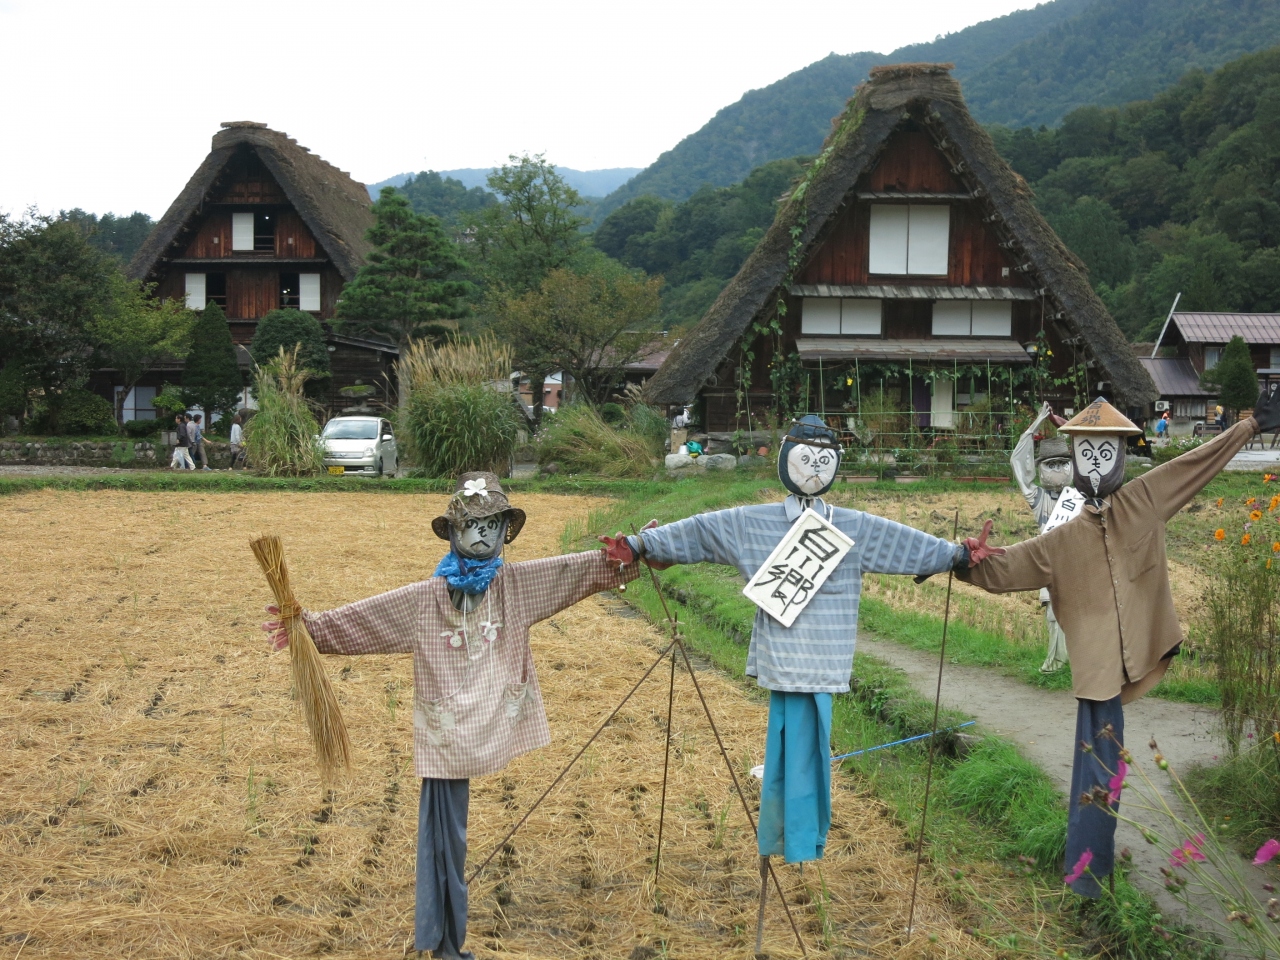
[[334, 207], [928, 94]]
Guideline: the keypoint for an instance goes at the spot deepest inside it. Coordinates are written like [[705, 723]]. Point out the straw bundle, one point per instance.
[[319, 705]]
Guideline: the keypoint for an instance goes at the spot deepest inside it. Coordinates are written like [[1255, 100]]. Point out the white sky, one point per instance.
[[109, 105]]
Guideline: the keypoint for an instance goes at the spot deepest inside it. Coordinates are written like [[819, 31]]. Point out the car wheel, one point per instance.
[[378, 467]]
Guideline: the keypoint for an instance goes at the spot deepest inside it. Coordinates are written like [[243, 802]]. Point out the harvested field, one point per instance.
[[160, 798]]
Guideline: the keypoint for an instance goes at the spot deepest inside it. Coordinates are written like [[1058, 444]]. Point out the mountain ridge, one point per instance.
[[589, 183]]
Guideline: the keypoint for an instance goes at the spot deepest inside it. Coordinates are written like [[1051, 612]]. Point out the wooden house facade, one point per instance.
[[264, 224], [908, 270]]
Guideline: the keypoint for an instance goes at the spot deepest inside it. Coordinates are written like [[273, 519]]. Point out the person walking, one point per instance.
[[1162, 426], [197, 442], [237, 438], [181, 451]]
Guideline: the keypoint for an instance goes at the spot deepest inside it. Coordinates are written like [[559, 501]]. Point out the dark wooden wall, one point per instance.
[[213, 238], [246, 179], [911, 164], [293, 239], [252, 292]]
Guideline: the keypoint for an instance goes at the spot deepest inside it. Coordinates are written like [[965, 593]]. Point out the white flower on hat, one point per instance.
[[471, 487]]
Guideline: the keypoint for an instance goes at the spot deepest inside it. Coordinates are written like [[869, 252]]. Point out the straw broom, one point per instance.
[[319, 705]]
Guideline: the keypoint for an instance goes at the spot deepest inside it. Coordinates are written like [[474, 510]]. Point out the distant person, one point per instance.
[[181, 450], [237, 438], [1220, 418], [197, 442], [682, 419], [1162, 426]]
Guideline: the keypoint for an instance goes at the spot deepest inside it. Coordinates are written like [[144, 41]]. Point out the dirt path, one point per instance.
[[1042, 725]]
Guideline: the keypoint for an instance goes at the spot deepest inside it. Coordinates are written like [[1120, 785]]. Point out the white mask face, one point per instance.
[[481, 539], [811, 469], [1055, 474], [1095, 459]]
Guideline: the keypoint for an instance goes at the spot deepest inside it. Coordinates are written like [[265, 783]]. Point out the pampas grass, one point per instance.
[[280, 439], [482, 360], [578, 439], [315, 695]]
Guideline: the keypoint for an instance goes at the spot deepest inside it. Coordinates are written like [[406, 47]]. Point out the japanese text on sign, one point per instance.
[[798, 567]]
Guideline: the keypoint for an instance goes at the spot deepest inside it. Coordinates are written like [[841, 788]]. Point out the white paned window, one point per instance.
[[942, 409], [1211, 357], [928, 239], [195, 291], [308, 291], [242, 231], [909, 239], [860, 317], [992, 318], [888, 238], [1275, 357], [820, 315], [952, 318]]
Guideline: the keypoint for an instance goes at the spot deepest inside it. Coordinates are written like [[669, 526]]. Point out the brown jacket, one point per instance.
[[1107, 574]]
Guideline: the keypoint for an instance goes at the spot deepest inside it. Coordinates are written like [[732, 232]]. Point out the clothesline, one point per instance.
[[919, 736]]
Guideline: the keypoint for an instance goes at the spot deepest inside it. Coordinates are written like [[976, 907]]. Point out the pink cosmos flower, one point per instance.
[[1268, 850], [1081, 866], [1116, 783], [1188, 851]]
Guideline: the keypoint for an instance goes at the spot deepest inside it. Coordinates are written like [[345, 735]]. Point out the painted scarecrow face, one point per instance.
[[1099, 463], [480, 538], [811, 470], [1055, 474]]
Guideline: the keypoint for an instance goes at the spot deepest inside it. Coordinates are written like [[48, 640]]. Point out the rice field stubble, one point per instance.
[[161, 798]]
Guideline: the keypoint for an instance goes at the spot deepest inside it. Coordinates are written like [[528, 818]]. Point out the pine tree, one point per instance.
[[291, 328], [1234, 377], [211, 379]]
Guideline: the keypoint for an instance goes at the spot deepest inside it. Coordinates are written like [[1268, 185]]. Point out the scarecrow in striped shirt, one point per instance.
[[476, 700], [804, 562]]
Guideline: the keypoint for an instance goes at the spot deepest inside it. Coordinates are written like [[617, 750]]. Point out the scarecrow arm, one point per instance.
[[1171, 485], [704, 538], [537, 589], [1023, 566], [381, 624], [892, 547], [1023, 462]]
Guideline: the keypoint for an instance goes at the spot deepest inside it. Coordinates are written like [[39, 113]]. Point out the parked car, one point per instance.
[[364, 446]]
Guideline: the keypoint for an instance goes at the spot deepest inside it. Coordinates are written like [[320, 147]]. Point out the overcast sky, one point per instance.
[[109, 105]]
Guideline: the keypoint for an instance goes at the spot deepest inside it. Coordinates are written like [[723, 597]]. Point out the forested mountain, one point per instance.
[[119, 236], [1179, 193], [444, 197], [1031, 66], [589, 183]]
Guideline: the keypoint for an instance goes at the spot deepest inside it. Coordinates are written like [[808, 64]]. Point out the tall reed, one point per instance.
[[280, 439]]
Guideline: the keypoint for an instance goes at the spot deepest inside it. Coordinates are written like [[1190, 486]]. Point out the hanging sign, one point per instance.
[[1070, 503], [798, 567]]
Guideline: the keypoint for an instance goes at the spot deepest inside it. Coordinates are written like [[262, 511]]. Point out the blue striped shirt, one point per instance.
[[814, 654]]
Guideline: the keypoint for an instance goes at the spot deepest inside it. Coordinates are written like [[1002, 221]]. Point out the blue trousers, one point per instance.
[[795, 798], [1089, 826], [440, 911]]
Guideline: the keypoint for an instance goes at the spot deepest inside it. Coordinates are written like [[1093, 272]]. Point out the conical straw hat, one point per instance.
[[1100, 417]]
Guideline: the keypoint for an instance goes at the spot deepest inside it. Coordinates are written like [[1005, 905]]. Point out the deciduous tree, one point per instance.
[[1234, 377]]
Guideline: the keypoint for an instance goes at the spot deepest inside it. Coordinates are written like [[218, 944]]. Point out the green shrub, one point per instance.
[[613, 414], [289, 328], [280, 440], [79, 412], [140, 429], [580, 441], [1174, 448], [451, 428], [170, 400]]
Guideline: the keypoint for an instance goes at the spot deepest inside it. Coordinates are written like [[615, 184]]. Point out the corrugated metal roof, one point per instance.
[[1174, 377], [968, 350], [1259, 328], [893, 291]]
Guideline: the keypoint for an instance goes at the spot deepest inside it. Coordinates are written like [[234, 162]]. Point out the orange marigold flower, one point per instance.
[[1219, 534], [1244, 541], [1275, 547], [1219, 501], [1251, 501], [1255, 515]]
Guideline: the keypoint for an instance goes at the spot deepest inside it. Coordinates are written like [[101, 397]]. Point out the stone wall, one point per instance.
[[61, 452]]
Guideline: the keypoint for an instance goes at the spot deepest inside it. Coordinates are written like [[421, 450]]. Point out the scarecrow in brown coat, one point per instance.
[[1106, 574]]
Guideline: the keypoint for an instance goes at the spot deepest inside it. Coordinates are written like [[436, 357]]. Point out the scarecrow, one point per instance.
[[1107, 575], [476, 703], [1054, 466], [804, 563]]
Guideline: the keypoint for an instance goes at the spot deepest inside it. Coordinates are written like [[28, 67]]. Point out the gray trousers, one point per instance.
[[440, 912], [1089, 826]]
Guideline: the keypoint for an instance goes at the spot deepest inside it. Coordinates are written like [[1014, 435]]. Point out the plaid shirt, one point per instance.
[[476, 702]]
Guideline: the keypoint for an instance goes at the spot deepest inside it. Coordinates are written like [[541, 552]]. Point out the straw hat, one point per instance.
[[1100, 417], [478, 495], [1053, 448]]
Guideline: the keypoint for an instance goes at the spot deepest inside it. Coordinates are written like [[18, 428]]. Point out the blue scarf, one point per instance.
[[469, 576]]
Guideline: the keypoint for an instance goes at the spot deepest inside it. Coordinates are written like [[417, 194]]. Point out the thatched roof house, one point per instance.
[[909, 242]]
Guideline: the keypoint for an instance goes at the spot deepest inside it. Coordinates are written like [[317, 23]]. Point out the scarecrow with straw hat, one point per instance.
[[477, 703], [1052, 501], [1107, 575], [804, 562]]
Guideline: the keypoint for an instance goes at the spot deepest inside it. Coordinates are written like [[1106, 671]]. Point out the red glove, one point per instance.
[[978, 549], [617, 548]]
